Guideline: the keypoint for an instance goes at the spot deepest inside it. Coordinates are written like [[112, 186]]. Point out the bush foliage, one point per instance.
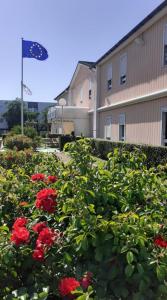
[[154, 155], [28, 131], [18, 142], [108, 223]]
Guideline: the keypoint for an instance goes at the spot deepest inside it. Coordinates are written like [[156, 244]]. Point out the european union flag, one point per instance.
[[33, 50]]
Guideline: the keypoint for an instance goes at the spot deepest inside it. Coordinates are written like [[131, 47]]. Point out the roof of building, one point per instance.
[[137, 27], [64, 91], [89, 64]]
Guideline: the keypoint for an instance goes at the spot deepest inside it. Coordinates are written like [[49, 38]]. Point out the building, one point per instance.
[[129, 91], [80, 101], [132, 84], [32, 106]]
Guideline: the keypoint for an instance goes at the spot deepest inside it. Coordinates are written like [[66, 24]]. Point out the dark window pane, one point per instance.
[[165, 55], [123, 79], [109, 84]]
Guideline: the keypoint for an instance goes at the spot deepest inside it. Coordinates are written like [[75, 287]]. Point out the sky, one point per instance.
[[70, 30]]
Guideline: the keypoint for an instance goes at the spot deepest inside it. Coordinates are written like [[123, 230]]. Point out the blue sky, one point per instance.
[[71, 30]]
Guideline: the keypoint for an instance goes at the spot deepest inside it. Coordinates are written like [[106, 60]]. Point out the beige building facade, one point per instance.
[[125, 91], [132, 84], [80, 100]]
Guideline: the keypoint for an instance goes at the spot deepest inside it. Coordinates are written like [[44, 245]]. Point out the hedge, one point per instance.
[[155, 154], [63, 139]]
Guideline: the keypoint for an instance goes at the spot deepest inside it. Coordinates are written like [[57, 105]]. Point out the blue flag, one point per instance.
[[33, 50]]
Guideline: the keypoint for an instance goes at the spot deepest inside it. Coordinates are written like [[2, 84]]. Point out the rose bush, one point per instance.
[[90, 232]]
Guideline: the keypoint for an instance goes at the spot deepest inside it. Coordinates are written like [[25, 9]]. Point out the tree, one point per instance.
[[43, 124], [13, 113]]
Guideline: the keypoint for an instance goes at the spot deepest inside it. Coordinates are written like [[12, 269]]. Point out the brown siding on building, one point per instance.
[[145, 70], [143, 122]]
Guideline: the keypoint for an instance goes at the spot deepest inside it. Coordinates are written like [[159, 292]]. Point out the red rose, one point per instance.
[[47, 194], [46, 200], [20, 235], [86, 280], [52, 179], [46, 237], [38, 254], [159, 241], [20, 222], [38, 227], [48, 205], [67, 285], [38, 177]]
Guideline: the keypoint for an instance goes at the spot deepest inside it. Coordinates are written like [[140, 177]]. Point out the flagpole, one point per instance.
[[22, 110]]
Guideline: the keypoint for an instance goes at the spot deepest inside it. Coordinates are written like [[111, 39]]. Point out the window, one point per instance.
[[33, 106], [123, 68], [81, 95], [90, 89], [122, 127], [109, 77], [107, 128], [90, 94], [165, 45]]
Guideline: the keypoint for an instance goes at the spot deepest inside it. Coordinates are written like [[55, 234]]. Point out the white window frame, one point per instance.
[[122, 122], [164, 43], [109, 77], [107, 128], [163, 109], [123, 73]]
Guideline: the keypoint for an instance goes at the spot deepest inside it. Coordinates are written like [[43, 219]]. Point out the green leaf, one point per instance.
[[91, 208], [161, 272], [140, 269], [83, 297], [67, 257], [91, 193], [42, 296], [129, 257], [4, 228], [129, 270]]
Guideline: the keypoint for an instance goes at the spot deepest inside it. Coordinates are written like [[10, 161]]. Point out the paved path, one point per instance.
[[64, 157]]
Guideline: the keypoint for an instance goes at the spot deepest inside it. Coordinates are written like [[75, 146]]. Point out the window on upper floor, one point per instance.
[[107, 128], [109, 77], [165, 45], [123, 68], [90, 89], [81, 95], [122, 127]]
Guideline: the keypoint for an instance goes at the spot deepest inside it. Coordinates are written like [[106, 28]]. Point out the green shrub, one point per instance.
[[28, 131], [110, 221], [18, 142], [155, 155], [15, 130]]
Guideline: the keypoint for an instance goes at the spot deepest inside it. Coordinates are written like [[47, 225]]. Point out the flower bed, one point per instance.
[[81, 231]]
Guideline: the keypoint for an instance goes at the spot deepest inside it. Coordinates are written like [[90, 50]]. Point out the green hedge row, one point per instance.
[[155, 155], [63, 139]]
